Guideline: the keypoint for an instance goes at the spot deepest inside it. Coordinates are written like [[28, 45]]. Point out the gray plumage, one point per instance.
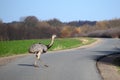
[[35, 48]]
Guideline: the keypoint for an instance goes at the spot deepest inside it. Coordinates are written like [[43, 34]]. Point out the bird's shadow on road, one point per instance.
[[27, 65], [31, 65]]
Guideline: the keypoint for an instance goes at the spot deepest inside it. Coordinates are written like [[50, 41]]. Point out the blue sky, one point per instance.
[[64, 10]]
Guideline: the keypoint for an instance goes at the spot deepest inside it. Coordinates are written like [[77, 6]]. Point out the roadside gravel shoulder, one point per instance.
[[107, 69]]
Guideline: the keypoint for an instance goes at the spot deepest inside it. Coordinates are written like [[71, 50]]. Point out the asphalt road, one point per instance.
[[76, 64]]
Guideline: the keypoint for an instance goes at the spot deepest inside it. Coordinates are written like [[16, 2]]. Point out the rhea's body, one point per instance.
[[40, 48]]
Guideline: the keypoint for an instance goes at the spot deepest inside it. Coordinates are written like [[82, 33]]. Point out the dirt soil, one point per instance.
[[107, 69]]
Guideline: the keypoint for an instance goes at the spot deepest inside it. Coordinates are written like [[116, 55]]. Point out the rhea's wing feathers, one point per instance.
[[44, 48], [34, 48], [37, 47]]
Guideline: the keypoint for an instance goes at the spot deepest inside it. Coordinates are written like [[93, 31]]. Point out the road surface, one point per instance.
[[76, 64]]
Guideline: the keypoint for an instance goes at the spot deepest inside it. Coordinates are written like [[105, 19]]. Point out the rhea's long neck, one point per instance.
[[51, 43]]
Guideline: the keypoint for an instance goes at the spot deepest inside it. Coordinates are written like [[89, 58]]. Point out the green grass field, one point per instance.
[[8, 48]]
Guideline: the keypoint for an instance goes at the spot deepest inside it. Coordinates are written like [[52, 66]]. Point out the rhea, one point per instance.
[[39, 49]]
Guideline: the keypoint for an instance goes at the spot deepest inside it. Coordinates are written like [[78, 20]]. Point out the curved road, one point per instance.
[[76, 64]]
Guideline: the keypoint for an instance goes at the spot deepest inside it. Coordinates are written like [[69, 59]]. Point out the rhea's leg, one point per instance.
[[37, 58], [35, 64], [36, 61], [38, 55]]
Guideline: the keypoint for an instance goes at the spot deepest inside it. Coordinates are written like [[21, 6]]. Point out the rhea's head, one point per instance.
[[53, 36]]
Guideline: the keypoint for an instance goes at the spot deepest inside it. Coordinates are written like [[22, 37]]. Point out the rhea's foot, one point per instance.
[[35, 65]]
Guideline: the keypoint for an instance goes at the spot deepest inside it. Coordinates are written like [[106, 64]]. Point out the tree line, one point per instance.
[[31, 28]]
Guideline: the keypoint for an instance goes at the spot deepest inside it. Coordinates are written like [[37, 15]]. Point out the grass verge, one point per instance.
[[8, 48]]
